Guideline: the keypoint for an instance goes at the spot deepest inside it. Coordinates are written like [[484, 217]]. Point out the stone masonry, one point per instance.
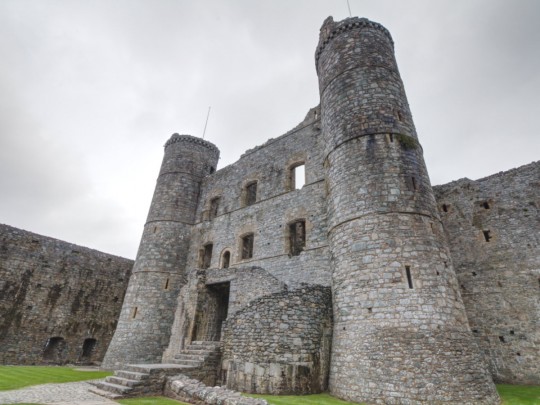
[[59, 302], [365, 281]]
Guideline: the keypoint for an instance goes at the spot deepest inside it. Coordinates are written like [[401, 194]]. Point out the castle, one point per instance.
[[366, 281]]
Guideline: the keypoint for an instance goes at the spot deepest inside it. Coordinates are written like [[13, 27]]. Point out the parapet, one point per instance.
[[191, 139], [331, 29]]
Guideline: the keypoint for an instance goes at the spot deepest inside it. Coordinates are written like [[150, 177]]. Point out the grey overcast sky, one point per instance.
[[91, 90]]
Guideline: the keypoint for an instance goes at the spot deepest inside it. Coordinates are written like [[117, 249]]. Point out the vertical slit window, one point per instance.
[[409, 276], [134, 314], [487, 235]]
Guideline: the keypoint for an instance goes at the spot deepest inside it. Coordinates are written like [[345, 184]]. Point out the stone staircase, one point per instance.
[[199, 360]]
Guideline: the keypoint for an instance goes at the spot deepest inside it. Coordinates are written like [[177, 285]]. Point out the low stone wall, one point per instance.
[[279, 343], [184, 388]]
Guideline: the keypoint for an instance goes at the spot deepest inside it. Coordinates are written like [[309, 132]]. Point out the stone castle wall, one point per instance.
[[493, 225], [276, 206], [58, 293]]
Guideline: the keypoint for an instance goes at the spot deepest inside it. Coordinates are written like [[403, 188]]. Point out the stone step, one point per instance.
[[190, 356], [105, 394], [198, 350], [204, 345], [114, 388], [123, 381], [188, 363], [131, 375]]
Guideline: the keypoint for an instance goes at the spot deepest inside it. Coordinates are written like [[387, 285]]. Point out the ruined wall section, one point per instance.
[[54, 289], [275, 208], [493, 225], [280, 343]]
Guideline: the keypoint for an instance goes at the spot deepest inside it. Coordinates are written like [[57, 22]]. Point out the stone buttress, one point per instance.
[[159, 272], [400, 331]]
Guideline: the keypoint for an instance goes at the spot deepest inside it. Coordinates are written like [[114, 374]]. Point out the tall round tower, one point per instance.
[[147, 315], [401, 334]]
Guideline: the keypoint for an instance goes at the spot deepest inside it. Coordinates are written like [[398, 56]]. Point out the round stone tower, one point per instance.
[[400, 331], [144, 326]]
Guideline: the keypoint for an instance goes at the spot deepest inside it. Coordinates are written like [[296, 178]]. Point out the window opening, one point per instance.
[[207, 256], [297, 177], [297, 237], [487, 235], [88, 348], [409, 277], [134, 313], [251, 193], [226, 260], [166, 284], [445, 207], [247, 246], [501, 338], [54, 349], [413, 182], [214, 207], [485, 204]]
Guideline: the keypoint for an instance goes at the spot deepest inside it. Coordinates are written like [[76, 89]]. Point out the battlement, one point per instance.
[[331, 29], [175, 138]]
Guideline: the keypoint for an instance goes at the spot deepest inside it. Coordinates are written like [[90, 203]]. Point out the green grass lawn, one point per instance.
[[13, 377], [519, 394], [150, 401], [316, 399]]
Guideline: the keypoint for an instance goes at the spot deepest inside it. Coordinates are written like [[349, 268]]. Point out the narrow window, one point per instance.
[[501, 338], [445, 207], [399, 115], [226, 260], [409, 277], [413, 182], [247, 246], [297, 177], [250, 194], [487, 235], [166, 284], [134, 313], [206, 256], [297, 237], [485, 204], [214, 207]]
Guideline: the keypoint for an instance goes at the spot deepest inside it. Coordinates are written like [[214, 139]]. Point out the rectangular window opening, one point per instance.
[[409, 277], [297, 237], [134, 313], [487, 235], [251, 193], [166, 284], [445, 207], [247, 246], [298, 177], [207, 256], [214, 207], [485, 204]]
